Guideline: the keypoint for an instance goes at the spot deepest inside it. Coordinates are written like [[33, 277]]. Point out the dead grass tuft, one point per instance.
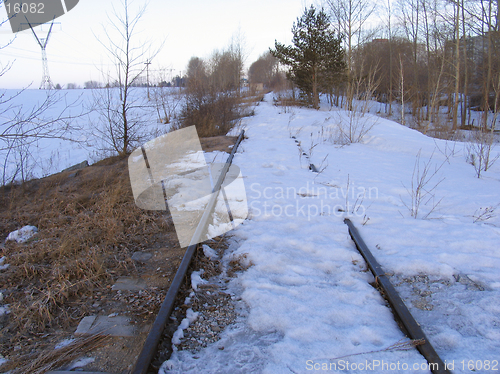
[[211, 268], [59, 357]]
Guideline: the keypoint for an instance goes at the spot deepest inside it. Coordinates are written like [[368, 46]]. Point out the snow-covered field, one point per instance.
[[306, 301], [39, 156]]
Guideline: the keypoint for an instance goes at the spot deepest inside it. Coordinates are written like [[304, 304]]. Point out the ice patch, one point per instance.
[[64, 343], [81, 363], [4, 310]]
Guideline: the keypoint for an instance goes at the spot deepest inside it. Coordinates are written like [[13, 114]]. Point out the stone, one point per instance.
[[215, 328], [79, 166], [142, 256], [114, 326], [129, 284]]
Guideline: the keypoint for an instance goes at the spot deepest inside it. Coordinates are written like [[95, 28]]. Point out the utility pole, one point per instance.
[[147, 63]]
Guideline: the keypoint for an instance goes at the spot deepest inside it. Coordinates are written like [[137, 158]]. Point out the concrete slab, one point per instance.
[[85, 325], [114, 326], [129, 284]]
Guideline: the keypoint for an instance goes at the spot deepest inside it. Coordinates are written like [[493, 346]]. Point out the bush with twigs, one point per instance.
[[423, 186]]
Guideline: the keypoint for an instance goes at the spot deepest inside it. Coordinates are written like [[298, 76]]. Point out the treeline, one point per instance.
[[420, 54], [212, 92], [434, 53]]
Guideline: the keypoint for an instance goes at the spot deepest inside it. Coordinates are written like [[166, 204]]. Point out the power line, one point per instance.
[[51, 61]]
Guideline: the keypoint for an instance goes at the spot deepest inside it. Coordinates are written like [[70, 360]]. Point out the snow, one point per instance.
[[2, 266], [196, 279], [306, 299], [2, 360], [84, 142], [179, 333], [80, 363], [23, 234], [210, 253], [191, 316], [64, 343], [4, 310]]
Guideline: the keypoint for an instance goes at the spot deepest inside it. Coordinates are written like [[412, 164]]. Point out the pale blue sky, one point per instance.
[[188, 28]]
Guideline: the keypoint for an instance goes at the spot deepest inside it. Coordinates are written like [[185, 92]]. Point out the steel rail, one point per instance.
[[411, 326], [151, 344]]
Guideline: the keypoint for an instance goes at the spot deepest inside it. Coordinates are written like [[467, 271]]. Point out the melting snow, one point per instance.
[[307, 299], [23, 234]]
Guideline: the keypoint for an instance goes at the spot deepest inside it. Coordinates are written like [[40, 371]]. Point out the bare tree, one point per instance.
[[213, 92], [423, 186], [89, 85], [479, 150], [457, 64], [265, 71], [22, 126], [349, 18], [120, 108], [166, 99]]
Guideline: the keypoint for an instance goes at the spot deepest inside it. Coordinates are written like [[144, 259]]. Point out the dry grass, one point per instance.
[[237, 264], [211, 268], [59, 357], [213, 114], [287, 102], [88, 227]]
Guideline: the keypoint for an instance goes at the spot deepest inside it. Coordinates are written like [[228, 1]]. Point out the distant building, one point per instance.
[[257, 86], [380, 41]]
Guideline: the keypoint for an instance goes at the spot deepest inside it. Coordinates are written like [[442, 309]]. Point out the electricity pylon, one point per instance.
[[46, 82]]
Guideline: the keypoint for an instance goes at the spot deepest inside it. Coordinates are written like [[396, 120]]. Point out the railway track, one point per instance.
[[151, 344], [404, 318], [403, 315], [148, 359]]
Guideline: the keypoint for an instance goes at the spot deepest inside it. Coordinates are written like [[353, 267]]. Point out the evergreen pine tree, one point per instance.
[[316, 58]]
